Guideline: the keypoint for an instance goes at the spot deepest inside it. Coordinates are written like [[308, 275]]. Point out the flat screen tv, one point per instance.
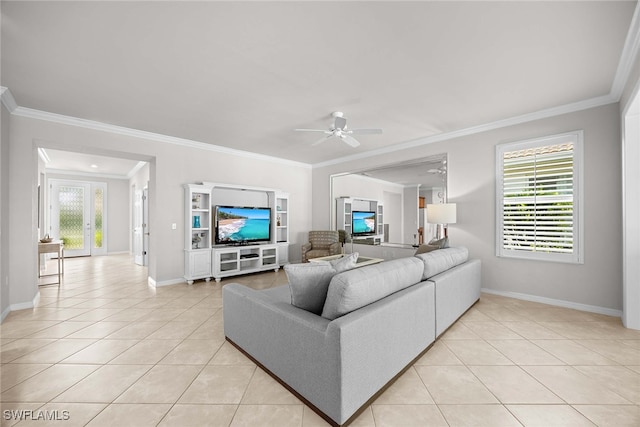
[[242, 225], [363, 223]]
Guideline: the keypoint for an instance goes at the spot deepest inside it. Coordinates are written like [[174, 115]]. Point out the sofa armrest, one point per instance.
[[378, 341], [290, 342]]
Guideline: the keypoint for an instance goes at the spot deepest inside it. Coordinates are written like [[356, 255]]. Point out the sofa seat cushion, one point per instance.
[[435, 262], [353, 289]]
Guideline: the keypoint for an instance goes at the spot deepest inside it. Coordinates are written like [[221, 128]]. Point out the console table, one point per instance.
[[57, 247]]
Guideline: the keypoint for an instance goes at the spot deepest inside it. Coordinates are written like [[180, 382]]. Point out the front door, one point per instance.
[[77, 216]]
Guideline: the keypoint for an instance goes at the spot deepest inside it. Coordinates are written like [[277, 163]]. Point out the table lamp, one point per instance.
[[441, 214]]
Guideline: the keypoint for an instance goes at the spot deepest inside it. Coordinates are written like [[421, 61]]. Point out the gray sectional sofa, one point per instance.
[[375, 322]]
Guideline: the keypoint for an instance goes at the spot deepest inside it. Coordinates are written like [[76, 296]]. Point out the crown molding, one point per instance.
[[628, 56], [136, 133], [85, 174], [7, 99], [524, 118]]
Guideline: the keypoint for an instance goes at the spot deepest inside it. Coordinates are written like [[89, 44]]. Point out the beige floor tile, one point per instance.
[[192, 352], [199, 415], [408, 389], [408, 416], [219, 385], [136, 331], [477, 352], [459, 331], [11, 328], [532, 331], [47, 384], [614, 350], [129, 315], [174, 330], [454, 385], [130, 415], [523, 352], [492, 330], [100, 352], [161, 384], [611, 415], [229, 355], [14, 373], [97, 314], [503, 314], [439, 355], [264, 390], [163, 314], [105, 384], [65, 414], [619, 379], [511, 385], [61, 330], [478, 416], [572, 353], [268, 416], [98, 329], [56, 351], [21, 347], [211, 329], [573, 386], [146, 352], [475, 315], [549, 416]]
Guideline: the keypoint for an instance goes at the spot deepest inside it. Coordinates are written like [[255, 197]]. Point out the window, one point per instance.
[[538, 195]]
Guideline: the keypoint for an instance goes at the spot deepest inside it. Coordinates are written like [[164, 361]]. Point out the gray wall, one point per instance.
[[597, 284]]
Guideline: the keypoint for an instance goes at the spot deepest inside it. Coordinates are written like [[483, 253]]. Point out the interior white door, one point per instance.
[[138, 229], [145, 226]]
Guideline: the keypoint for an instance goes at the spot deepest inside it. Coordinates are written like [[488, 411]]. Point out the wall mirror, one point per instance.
[[398, 193]]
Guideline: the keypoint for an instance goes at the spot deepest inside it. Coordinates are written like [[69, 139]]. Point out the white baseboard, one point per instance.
[[556, 302], [5, 313], [155, 284], [20, 306]]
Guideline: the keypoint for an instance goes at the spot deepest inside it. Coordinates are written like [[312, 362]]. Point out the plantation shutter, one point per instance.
[[538, 201]]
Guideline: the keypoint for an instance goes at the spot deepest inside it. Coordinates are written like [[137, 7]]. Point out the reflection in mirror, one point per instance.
[[398, 194]]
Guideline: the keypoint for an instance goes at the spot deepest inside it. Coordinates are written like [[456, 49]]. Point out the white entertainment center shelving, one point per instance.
[[345, 206], [204, 259]]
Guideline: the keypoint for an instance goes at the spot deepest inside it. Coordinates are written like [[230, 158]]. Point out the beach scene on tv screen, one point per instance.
[[243, 224], [364, 222]]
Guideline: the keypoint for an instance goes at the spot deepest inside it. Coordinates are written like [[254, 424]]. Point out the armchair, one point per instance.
[[321, 243]]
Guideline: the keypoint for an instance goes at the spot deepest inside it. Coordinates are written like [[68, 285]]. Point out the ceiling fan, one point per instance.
[[339, 130]]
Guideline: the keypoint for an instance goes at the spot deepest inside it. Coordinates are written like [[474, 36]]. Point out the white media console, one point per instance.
[[204, 259]]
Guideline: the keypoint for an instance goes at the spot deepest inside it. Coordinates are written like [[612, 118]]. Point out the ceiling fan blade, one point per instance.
[[366, 131], [350, 140], [324, 138], [312, 130]]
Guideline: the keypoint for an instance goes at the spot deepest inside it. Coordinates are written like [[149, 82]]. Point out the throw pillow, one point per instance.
[[423, 249], [440, 243], [344, 263], [308, 284]]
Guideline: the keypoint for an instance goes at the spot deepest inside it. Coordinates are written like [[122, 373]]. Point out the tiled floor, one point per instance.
[[106, 349]]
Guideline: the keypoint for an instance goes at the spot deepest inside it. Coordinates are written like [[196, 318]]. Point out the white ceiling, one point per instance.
[[245, 74]]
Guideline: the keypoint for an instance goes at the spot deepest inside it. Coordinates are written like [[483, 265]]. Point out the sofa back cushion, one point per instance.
[[353, 289], [435, 262], [308, 283]]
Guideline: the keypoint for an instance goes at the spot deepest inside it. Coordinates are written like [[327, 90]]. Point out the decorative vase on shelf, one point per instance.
[[196, 222]]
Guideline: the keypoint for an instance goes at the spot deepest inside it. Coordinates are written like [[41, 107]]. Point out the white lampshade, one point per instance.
[[442, 213]]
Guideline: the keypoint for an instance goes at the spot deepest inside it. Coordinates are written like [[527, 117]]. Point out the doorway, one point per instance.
[[78, 216]]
